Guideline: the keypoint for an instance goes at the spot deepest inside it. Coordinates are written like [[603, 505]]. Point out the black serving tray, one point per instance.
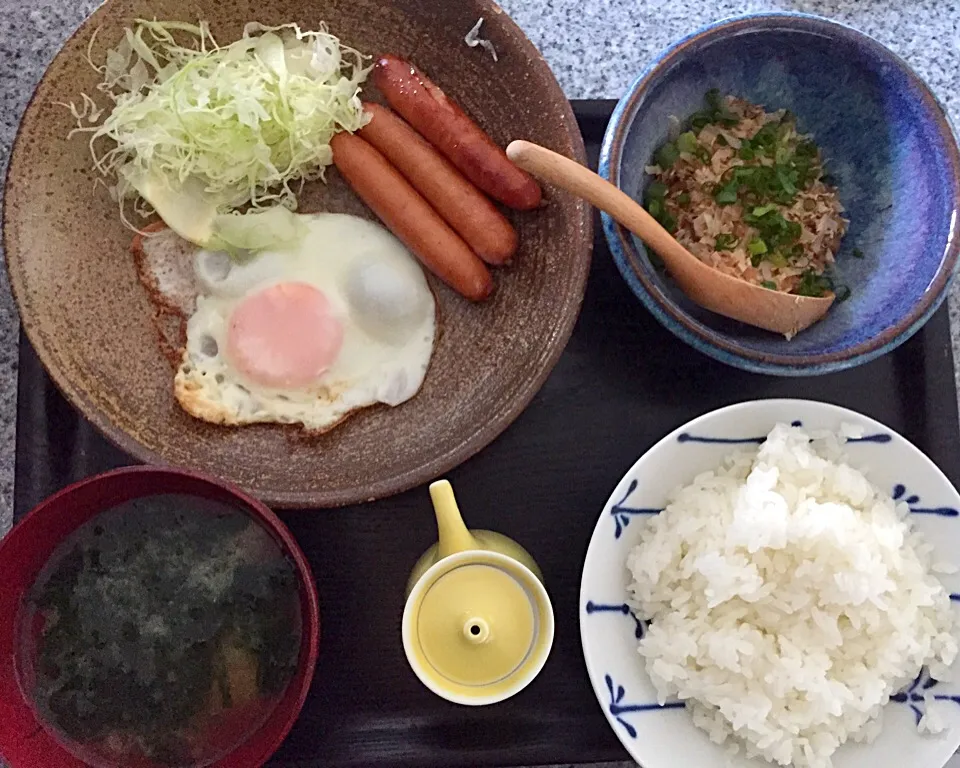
[[622, 384]]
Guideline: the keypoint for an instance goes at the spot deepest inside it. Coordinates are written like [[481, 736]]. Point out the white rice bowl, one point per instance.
[[790, 596]]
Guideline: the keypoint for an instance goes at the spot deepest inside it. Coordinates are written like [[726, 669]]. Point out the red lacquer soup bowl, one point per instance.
[[26, 741]]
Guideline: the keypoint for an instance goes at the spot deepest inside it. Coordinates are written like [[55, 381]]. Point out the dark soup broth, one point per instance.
[[160, 633]]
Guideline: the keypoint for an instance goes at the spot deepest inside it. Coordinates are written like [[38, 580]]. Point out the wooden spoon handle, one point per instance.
[[575, 178]]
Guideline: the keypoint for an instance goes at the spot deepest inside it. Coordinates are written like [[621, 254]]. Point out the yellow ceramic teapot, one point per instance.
[[478, 624]]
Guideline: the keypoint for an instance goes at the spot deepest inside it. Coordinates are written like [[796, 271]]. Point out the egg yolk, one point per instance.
[[284, 336]]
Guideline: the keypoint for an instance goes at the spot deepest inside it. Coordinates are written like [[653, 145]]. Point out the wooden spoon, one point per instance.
[[729, 296]]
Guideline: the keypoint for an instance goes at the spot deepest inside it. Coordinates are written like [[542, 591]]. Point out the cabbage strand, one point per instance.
[[246, 120]]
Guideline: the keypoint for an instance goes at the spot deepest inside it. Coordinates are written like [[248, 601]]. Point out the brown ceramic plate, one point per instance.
[[90, 322]]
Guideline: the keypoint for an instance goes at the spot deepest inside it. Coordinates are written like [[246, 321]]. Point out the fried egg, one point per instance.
[[307, 335]]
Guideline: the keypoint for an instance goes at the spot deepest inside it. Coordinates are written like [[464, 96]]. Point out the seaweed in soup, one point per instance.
[[157, 616]]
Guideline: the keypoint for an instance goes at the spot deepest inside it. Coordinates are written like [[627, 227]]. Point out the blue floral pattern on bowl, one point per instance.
[[622, 608], [621, 512], [617, 708], [887, 143], [665, 737], [915, 697], [900, 494]]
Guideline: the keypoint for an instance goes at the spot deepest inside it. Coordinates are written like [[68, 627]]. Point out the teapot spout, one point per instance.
[[453, 534]]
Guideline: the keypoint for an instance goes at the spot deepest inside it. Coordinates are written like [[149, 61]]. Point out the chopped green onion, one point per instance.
[[721, 112], [842, 292], [857, 253], [778, 233], [700, 120], [806, 149], [794, 251], [778, 165], [783, 176], [657, 190], [769, 285], [812, 284], [795, 164], [761, 144], [717, 111], [725, 242], [727, 194], [667, 155], [687, 142]]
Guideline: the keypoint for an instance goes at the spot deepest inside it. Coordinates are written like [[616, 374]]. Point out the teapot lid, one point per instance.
[[478, 627], [476, 624]]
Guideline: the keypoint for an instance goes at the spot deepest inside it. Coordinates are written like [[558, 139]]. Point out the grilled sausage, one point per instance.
[[459, 202], [405, 213], [441, 122]]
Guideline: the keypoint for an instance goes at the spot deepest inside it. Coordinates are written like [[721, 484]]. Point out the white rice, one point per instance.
[[789, 599]]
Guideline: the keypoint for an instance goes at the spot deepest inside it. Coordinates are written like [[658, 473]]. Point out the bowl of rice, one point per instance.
[[775, 583], [802, 156]]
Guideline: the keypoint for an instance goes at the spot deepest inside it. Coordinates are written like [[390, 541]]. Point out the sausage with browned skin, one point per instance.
[[459, 202], [405, 213], [441, 122]]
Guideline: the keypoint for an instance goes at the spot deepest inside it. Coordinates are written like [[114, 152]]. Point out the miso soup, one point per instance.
[[162, 632]]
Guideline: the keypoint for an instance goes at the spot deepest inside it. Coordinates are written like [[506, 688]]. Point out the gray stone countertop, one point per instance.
[[596, 48]]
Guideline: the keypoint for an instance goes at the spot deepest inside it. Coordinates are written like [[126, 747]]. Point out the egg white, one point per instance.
[[375, 287]]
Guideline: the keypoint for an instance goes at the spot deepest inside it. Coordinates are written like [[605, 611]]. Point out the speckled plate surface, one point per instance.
[[90, 321]]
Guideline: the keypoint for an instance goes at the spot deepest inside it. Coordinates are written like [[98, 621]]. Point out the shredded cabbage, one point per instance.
[[473, 39], [220, 127]]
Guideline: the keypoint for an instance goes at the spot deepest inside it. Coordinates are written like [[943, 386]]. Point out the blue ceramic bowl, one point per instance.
[[887, 142]]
